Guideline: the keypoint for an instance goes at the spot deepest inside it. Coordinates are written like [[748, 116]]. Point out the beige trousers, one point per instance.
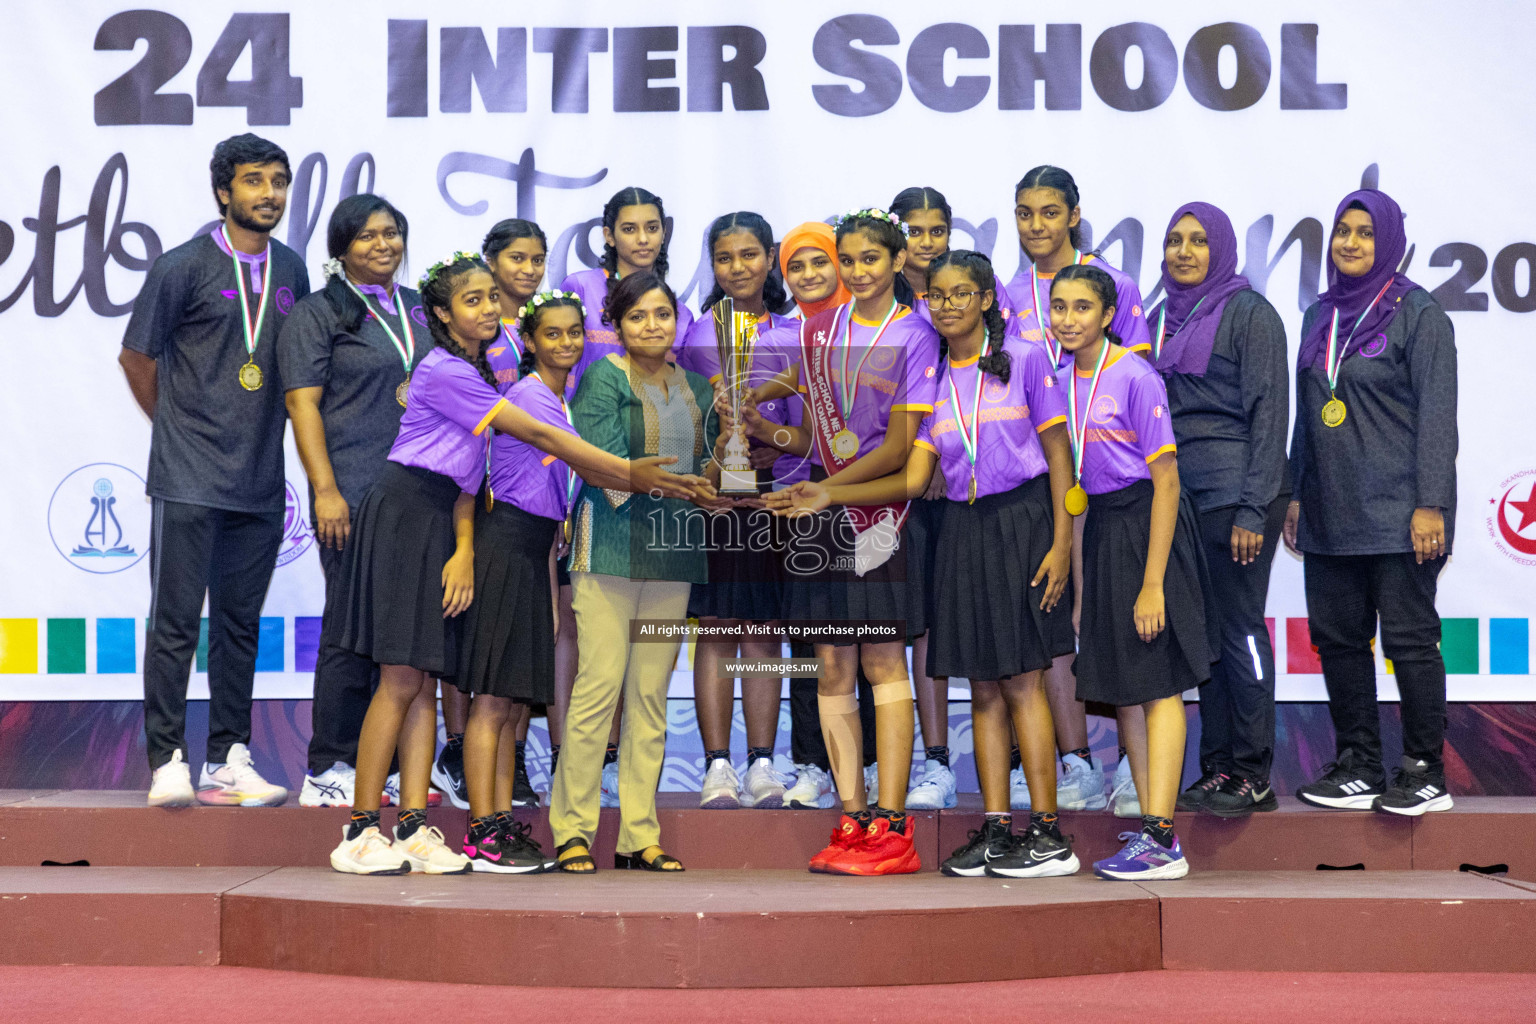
[[607, 664]]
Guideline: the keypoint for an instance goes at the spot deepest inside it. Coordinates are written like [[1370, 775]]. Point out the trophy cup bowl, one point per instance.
[[735, 340]]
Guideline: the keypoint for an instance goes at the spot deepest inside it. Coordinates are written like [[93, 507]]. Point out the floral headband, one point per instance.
[[543, 297], [873, 213], [458, 256]]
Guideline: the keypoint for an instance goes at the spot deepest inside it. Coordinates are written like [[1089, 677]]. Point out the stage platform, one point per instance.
[[115, 828]]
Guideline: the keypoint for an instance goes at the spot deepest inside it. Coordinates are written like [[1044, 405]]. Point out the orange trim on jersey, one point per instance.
[[489, 416], [925, 446], [1164, 450], [1050, 423], [911, 408], [1114, 357], [962, 364], [900, 312]]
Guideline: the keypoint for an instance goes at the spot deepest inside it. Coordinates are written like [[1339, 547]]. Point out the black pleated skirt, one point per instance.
[[746, 567], [508, 649], [987, 622], [391, 581], [1114, 665], [821, 586], [924, 522]]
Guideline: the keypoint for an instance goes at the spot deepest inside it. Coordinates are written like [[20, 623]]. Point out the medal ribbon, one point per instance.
[[511, 336], [850, 394], [969, 439], [1331, 366], [406, 349], [572, 480], [1079, 432], [252, 336], [1162, 322], [1042, 317]]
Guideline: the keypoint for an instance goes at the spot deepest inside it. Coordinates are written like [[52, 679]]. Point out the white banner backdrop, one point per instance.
[[463, 115]]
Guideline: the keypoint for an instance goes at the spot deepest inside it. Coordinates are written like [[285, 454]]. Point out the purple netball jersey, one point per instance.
[[1129, 324], [603, 339], [521, 474], [447, 408], [1129, 425], [897, 371], [1008, 448], [504, 353]]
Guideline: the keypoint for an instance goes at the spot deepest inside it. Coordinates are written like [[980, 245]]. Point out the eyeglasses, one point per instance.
[[959, 300]]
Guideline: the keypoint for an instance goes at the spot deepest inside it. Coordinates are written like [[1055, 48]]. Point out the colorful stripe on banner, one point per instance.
[[306, 642], [1300, 655], [116, 646], [18, 646], [269, 645], [1458, 646], [1509, 647], [66, 646]]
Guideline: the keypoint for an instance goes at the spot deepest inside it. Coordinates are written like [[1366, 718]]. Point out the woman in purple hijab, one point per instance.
[[1220, 347], [1373, 456]]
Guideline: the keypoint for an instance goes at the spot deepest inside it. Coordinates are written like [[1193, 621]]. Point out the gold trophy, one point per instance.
[[735, 340]]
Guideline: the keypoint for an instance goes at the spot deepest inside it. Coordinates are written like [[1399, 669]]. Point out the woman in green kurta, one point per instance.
[[633, 556]]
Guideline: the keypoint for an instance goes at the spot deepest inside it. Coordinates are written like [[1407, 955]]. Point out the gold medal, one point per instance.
[[845, 444], [970, 493], [567, 526], [1334, 413], [490, 499], [250, 377], [400, 391], [1076, 501]]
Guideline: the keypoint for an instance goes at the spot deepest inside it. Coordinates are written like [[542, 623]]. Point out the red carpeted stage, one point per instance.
[[246, 887]]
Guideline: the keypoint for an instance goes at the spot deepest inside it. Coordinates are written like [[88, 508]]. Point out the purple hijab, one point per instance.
[[1351, 295], [1188, 340]]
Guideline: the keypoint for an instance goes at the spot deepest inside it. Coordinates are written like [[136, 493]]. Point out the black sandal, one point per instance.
[[634, 862], [581, 864]]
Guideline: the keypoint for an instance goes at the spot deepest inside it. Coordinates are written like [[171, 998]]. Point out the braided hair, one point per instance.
[[634, 195], [1046, 176], [347, 222], [1102, 284], [775, 298], [979, 269], [530, 319], [438, 287]]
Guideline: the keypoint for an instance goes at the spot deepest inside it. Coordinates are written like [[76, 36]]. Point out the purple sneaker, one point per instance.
[[1143, 859]]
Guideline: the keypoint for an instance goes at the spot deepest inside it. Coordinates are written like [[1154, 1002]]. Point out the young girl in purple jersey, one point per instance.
[[867, 371], [1002, 612], [409, 564], [1144, 637], [1048, 218], [746, 544]]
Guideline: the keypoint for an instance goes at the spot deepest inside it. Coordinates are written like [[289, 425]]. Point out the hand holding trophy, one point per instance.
[[735, 342]]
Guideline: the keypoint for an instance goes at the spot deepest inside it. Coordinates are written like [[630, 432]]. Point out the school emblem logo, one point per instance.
[[284, 300], [419, 315], [884, 357], [1104, 408], [996, 390], [297, 536], [1374, 347], [1511, 520], [99, 518]]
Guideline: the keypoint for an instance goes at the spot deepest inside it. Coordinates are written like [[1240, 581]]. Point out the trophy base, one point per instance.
[[738, 483]]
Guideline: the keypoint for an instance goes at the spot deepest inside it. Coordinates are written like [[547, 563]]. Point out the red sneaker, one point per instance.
[[880, 851], [847, 835]]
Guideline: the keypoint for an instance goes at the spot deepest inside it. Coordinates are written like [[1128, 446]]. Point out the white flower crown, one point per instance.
[[543, 297], [874, 213]]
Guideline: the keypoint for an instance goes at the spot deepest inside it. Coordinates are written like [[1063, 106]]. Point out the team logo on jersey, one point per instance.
[[1104, 408], [419, 315], [284, 299], [99, 518], [1157, 412], [928, 372], [884, 357], [1511, 520], [996, 390], [1050, 380], [297, 536], [1135, 311], [1374, 347]]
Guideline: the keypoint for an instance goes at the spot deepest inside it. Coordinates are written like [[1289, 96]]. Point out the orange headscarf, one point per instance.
[[814, 235]]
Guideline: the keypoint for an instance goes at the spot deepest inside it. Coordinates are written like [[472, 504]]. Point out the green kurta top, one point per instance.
[[635, 535]]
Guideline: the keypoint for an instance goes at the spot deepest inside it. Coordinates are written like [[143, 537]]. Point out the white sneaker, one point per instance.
[[608, 795], [872, 783], [935, 791], [1122, 798], [1018, 790], [172, 784], [331, 788], [812, 789], [762, 786], [1081, 787], [369, 854], [722, 789], [427, 853], [237, 783]]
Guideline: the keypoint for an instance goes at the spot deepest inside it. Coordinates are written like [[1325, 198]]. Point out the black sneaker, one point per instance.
[[1416, 788], [448, 774], [1238, 797], [1343, 787], [522, 790], [1042, 852], [993, 840], [508, 851], [1193, 798]]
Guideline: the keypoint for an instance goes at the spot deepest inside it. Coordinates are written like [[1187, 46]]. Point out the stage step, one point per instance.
[[115, 828], [750, 929]]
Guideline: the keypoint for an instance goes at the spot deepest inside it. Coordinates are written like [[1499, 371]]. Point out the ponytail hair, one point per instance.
[[633, 196], [1102, 284], [504, 232], [347, 222], [532, 314], [911, 200], [775, 298], [979, 269], [438, 286], [1046, 176]]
